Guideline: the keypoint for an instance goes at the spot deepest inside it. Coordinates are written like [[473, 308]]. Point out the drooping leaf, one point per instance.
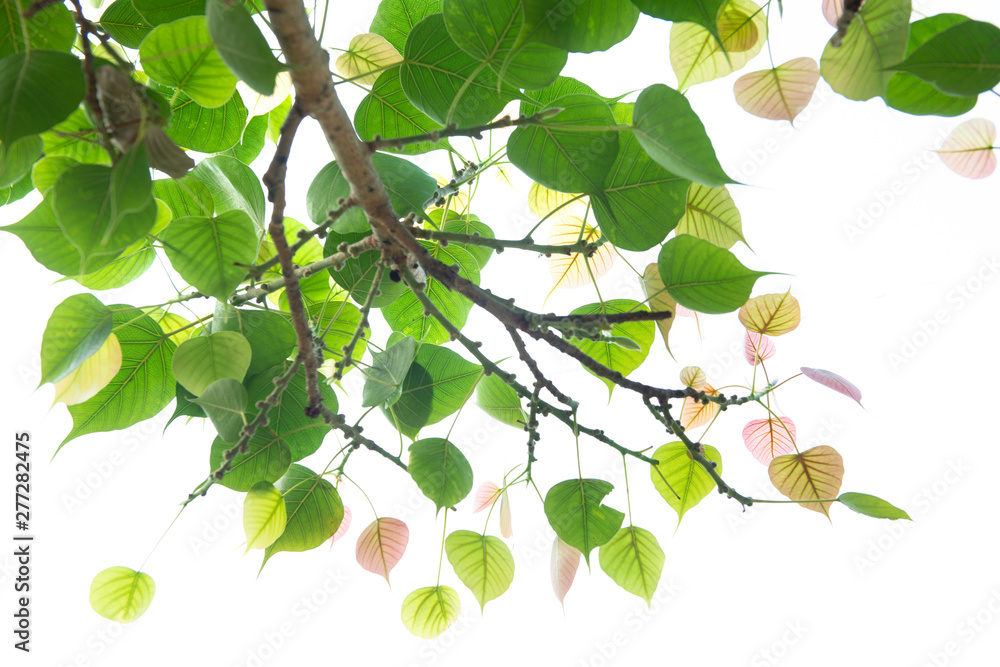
[[711, 215], [704, 277], [575, 512], [200, 361], [365, 56], [427, 612], [969, 151], [38, 89], [76, 329], [314, 510], [486, 496], [564, 564], [121, 594], [440, 470], [815, 474], [577, 269], [612, 354], [677, 472], [262, 105], [757, 348], [544, 202], [862, 503], [703, 12], [506, 528], [582, 26], [875, 40], [181, 54], [381, 545], [634, 560], [264, 515], [387, 372], [779, 93], [482, 562], [769, 438], [225, 403], [771, 314], [659, 300], [240, 44], [96, 371], [345, 524], [695, 413], [287, 422], [833, 381], [962, 60], [499, 400], [211, 253], [696, 54]]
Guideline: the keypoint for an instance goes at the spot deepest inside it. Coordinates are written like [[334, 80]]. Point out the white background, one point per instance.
[[777, 584]]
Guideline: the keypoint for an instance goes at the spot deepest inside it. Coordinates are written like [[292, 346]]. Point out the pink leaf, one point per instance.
[[344, 525], [968, 150], [505, 522], [486, 495], [757, 348], [685, 312], [766, 438], [695, 413], [381, 545], [779, 93], [833, 381], [832, 9], [565, 561]]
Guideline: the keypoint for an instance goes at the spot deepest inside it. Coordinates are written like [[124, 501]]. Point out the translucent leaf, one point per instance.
[[262, 105], [659, 300], [959, 60], [625, 347], [695, 54], [209, 252], [487, 494], [634, 560], [815, 474], [695, 413], [385, 377], [52, 28], [314, 510], [92, 375], [387, 112], [225, 402], [780, 93], [767, 438], [345, 524], [440, 470], [125, 24], [200, 361], [711, 215], [872, 506], [427, 612], [771, 314], [681, 480], [569, 271], [381, 545], [482, 562], [564, 564], [395, 18], [506, 527], [832, 9], [365, 54], [757, 348], [240, 44], [702, 12], [694, 377], [75, 331], [968, 150], [833, 381], [499, 400], [263, 515], [543, 201], [232, 185], [585, 26], [575, 512], [875, 39], [121, 594], [704, 277], [181, 55]]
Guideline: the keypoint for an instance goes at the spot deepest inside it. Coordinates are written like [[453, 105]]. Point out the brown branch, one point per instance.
[[532, 365], [453, 130], [354, 437], [344, 205], [87, 28], [587, 248]]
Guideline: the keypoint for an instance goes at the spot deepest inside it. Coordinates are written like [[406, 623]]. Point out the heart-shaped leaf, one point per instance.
[[381, 545], [121, 594], [634, 560], [769, 438], [681, 480], [482, 562], [93, 375], [969, 151], [575, 512], [427, 612], [771, 314], [440, 470], [704, 277], [779, 93], [815, 474]]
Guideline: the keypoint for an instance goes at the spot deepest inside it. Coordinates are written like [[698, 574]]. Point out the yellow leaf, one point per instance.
[[170, 322], [815, 474], [366, 56], [694, 377], [771, 314], [780, 93], [712, 216], [696, 56], [658, 299], [257, 104], [92, 375], [572, 270], [695, 413], [543, 201]]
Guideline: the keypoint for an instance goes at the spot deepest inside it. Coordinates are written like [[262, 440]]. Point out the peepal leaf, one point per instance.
[[97, 370], [771, 314], [440, 470], [757, 348], [209, 252], [427, 612], [182, 55], [38, 89], [634, 560], [314, 510], [711, 215], [833, 381], [385, 377], [76, 330], [499, 400], [704, 277], [241, 45], [482, 562], [968, 151], [694, 413], [815, 474], [698, 55], [225, 402], [769, 438], [681, 480], [575, 512], [365, 56], [659, 300], [345, 524], [487, 494], [875, 40], [564, 564], [575, 269], [263, 515], [121, 594], [963, 60], [872, 506], [779, 93], [381, 545], [201, 360]]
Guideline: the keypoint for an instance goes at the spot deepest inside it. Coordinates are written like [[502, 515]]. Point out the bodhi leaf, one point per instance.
[[499, 400], [38, 89], [815, 474], [969, 151], [704, 277], [314, 510], [92, 375], [659, 300], [694, 413], [385, 377], [157, 12], [344, 526], [564, 564], [200, 361], [779, 93], [875, 40], [209, 252], [576, 269], [962, 60], [575, 512], [634, 560], [613, 355], [427, 612], [366, 55], [76, 329], [771, 314], [833, 381], [395, 18], [482, 562], [486, 496], [769, 438], [757, 348], [386, 112], [582, 26], [122, 21], [52, 28], [862, 503], [694, 377], [703, 12], [696, 55], [206, 130], [681, 480], [121, 594], [270, 334], [545, 203], [182, 55], [225, 402], [264, 515], [232, 185], [381, 545], [440, 470], [266, 460], [711, 214], [17, 160], [240, 44]]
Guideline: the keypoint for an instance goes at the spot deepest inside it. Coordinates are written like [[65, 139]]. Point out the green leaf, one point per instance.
[[385, 377], [440, 470], [129, 265], [251, 143], [464, 223], [673, 135], [17, 159], [266, 460], [499, 400], [703, 12], [615, 356], [207, 252], [184, 196], [241, 45], [276, 118], [287, 421], [314, 510], [15, 191], [358, 273], [68, 138], [386, 112], [366, 56], [206, 130], [427, 612], [488, 30], [682, 475], [38, 89], [76, 330], [962, 60], [120, 594], [712, 215], [395, 18], [52, 28], [642, 201], [225, 402], [909, 93], [579, 25], [270, 334], [705, 277], [201, 360], [264, 516], [125, 24], [45, 240], [157, 12], [47, 171], [436, 71], [862, 503], [438, 383], [532, 101], [875, 40], [634, 560], [575, 512], [573, 159], [181, 54], [143, 386], [483, 563]]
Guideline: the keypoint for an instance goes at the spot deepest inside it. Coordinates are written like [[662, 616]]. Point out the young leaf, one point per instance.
[[486, 495], [499, 400], [564, 564], [779, 93], [506, 529], [381, 545], [200, 361], [703, 12], [833, 381], [544, 202], [575, 512], [575, 270], [266, 460], [711, 214], [704, 277], [427, 612], [768, 438], [365, 56], [225, 402], [757, 348], [181, 55], [94, 374], [815, 474], [875, 39], [698, 55], [695, 413], [968, 151], [263, 515], [314, 510], [634, 560], [694, 377], [862, 503], [120, 594], [440, 470], [482, 562], [76, 329], [771, 314], [385, 377], [677, 474], [344, 525]]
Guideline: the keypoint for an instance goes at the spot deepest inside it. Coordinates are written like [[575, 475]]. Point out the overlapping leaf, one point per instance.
[[698, 54], [681, 480], [575, 512], [576, 269], [634, 560], [875, 40], [771, 314]]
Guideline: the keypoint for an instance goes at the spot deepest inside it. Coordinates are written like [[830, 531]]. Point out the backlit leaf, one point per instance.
[[263, 515], [683, 475], [711, 215], [704, 277], [76, 329], [181, 54], [314, 510], [696, 55], [344, 525], [486, 495], [572, 270], [482, 562], [427, 612], [38, 89], [575, 512], [862, 503], [611, 354], [543, 202], [240, 44], [634, 560], [694, 377], [581, 25], [771, 314], [962, 60], [564, 564], [968, 151], [769, 438], [440, 470], [92, 375], [365, 56], [208, 252], [659, 299], [499, 400], [381, 545], [875, 40], [815, 474], [779, 93], [757, 348], [200, 361], [121, 594], [695, 413], [833, 381], [225, 403]]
